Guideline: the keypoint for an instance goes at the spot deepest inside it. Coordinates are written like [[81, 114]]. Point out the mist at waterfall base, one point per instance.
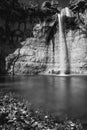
[[64, 57], [59, 95]]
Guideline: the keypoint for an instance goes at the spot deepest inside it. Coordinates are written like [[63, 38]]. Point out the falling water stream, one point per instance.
[[64, 56], [63, 47]]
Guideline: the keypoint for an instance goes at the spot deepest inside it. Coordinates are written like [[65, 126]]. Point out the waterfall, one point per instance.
[[68, 12], [64, 63]]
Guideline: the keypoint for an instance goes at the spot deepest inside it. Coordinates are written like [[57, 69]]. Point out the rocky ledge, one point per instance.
[[30, 59]]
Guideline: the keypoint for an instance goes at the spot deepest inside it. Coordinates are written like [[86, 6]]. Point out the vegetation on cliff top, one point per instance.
[[79, 7], [12, 11]]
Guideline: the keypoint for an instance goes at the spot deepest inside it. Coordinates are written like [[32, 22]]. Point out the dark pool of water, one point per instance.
[[60, 95]]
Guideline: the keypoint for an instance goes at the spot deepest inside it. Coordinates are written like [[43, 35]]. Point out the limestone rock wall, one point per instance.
[[78, 52], [30, 59], [39, 56], [53, 65], [36, 57]]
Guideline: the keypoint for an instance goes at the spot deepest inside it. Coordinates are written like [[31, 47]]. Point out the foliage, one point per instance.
[[11, 11], [17, 113], [79, 7]]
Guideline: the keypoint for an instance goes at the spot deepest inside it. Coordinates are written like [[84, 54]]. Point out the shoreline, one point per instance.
[[63, 75], [44, 74]]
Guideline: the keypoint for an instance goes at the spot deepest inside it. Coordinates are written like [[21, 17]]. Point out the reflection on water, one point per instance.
[[60, 95]]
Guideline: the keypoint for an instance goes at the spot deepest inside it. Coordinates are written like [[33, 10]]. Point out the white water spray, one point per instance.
[[64, 61]]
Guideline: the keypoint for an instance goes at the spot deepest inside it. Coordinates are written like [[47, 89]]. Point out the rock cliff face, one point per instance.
[[30, 59], [78, 52], [55, 48]]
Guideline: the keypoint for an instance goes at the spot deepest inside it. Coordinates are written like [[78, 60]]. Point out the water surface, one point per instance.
[[59, 95]]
